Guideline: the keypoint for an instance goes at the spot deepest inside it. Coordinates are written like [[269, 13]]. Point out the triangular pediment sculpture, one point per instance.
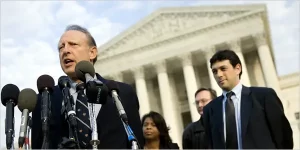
[[169, 22]]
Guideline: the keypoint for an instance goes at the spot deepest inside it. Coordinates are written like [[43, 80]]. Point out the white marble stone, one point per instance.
[[172, 33]]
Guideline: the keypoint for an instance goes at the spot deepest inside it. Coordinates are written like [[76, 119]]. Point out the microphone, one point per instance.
[[68, 107], [85, 71], [45, 84], [96, 91], [68, 102], [9, 98], [114, 92], [26, 103], [29, 126]]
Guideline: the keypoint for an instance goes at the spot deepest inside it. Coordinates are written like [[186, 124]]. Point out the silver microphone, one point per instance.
[[26, 103]]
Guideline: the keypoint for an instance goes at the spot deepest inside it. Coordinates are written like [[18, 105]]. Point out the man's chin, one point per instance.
[[226, 88], [70, 72], [200, 112]]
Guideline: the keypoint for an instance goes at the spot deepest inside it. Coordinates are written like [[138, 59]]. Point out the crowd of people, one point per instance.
[[241, 118]]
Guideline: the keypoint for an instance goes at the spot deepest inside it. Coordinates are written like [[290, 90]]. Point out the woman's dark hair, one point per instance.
[[161, 125]]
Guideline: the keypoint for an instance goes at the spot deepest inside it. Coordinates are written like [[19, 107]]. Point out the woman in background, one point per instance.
[[156, 132]]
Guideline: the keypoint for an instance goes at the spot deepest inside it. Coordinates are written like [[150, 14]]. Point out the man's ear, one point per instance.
[[238, 69], [93, 52]]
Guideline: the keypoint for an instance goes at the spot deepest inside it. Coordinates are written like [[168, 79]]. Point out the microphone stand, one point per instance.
[[45, 117], [130, 135], [92, 89], [10, 133], [94, 141], [12, 144], [29, 125], [70, 114], [12, 141]]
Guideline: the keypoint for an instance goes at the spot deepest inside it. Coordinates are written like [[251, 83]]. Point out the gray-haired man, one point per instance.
[[77, 44]]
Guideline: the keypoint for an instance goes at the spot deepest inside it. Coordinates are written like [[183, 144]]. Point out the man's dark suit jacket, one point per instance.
[[194, 136], [111, 132], [263, 123]]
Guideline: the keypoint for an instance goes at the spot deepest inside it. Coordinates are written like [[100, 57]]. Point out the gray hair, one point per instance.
[[91, 40]]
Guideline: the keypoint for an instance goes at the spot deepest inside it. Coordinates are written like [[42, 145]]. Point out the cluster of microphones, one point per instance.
[[26, 100]]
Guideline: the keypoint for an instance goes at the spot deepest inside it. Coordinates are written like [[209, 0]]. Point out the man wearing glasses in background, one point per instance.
[[194, 135]]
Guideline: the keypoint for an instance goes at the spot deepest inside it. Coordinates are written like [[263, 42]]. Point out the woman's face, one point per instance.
[[150, 130]]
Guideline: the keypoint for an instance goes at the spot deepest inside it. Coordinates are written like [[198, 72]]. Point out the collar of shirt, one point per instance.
[[237, 91]]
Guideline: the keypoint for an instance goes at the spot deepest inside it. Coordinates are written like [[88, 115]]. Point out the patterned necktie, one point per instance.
[[83, 120], [231, 133]]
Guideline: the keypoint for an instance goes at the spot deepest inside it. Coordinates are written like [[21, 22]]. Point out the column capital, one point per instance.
[[138, 72], [260, 39], [209, 51], [117, 76], [160, 66], [235, 45], [186, 59]]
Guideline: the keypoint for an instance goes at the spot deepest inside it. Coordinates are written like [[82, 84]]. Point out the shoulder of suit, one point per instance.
[[214, 101], [124, 85], [191, 127], [56, 87], [261, 89], [188, 127]]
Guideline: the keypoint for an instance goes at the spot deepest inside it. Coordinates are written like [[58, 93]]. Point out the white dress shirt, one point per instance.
[[236, 98]]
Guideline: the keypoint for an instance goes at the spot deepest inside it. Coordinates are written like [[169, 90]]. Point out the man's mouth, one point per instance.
[[221, 81], [68, 61]]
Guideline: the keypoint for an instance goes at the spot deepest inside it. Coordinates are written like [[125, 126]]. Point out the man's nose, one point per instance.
[[219, 73], [200, 105], [66, 49]]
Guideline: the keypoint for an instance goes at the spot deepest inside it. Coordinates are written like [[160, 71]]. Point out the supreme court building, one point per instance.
[[165, 57]]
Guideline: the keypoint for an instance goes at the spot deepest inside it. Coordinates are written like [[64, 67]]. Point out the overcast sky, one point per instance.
[[30, 32]]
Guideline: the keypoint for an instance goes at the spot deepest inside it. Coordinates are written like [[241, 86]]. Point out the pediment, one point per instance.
[[167, 22]]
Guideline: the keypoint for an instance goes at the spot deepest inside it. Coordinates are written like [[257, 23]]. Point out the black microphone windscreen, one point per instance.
[[82, 68], [27, 99], [45, 81], [112, 85], [63, 82], [10, 92]]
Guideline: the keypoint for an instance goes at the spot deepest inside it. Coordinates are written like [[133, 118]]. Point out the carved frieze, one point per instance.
[[168, 24]]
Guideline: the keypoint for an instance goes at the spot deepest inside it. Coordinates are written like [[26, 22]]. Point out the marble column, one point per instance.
[[141, 89], [190, 83], [268, 66], [168, 105], [267, 62], [235, 45], [209, 52]]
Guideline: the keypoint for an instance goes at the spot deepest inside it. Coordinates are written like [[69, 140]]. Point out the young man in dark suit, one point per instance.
[[244, 117], [77, 44], [194, 134]]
